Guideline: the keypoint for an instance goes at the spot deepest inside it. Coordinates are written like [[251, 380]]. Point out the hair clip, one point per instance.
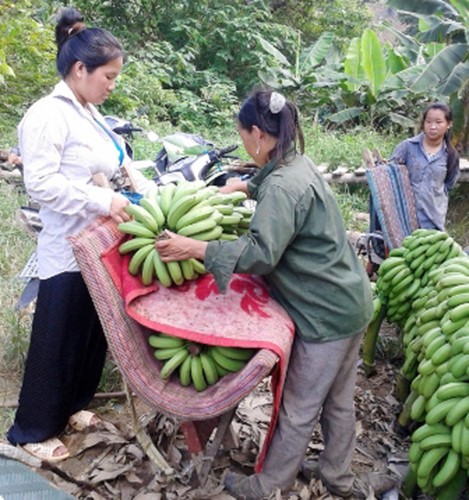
[[277, 102]]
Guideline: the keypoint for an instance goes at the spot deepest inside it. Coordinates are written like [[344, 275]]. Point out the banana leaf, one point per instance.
[[316, 53], [440, 68], [456, 79], [345, 115], [373, 62], [270, 49], [427, 7], [352, 64]]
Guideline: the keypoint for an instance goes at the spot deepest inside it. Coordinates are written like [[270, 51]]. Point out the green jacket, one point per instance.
[[297, 241]]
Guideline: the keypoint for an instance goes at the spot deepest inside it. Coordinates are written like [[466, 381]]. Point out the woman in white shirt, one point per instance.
[[64, 143]]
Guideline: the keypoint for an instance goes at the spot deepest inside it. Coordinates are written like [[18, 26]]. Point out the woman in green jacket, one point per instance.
[[297, 242]]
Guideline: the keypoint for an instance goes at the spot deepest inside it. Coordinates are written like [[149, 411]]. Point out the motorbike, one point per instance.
[[183, 157]]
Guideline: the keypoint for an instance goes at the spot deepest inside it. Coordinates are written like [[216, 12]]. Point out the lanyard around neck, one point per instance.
[[116, 144]]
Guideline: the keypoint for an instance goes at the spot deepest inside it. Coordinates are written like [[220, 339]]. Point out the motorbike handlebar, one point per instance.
[[228, 149]]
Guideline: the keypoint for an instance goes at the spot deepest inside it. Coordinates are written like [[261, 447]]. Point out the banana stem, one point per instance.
[[370, 340]]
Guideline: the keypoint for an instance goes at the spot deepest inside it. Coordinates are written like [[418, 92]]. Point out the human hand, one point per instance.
[[176, 247], [234, 186], [117, 211]]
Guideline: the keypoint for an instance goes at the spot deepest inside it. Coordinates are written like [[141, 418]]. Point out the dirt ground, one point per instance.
[[111, 461]]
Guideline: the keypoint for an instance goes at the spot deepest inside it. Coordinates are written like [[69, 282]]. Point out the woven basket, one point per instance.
[[127, 340]]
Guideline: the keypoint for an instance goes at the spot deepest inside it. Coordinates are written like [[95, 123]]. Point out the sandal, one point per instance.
[[83, 419], [47, 450]]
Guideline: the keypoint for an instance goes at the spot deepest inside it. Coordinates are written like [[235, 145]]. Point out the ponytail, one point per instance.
[[272, 113]]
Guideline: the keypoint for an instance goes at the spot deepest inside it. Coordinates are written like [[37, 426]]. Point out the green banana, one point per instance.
[[231, 220], [166, 197], [448, 470], [209, 368], [166, 353], [458, 345], [442, 354], [456, 435], [143, 216], [232, 365], [197, 374], [417, 410], [236, 197], [435, 441], [153, 208], [187, 270], [198, 266], [456, 300], [459, 313], [161, 271], [459, 368], [175, 272], [138, 258], [194, 215], [240, 353], [429, 460], [453, 390], [224, 209], [184, 189], [178, 208], [198, 227], [438, 413], [212, 234], [429, 385], [173, 363], [228, 236], [457, 412], [426, 430], [185, 378], [148, 268], [134, 244], [162, 341], [136, 229]]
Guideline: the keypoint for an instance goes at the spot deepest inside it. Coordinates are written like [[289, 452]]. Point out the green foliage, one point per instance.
[[27, 45], [344, 18]]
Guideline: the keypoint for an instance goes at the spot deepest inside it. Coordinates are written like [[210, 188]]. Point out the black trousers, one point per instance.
[[65, 360]]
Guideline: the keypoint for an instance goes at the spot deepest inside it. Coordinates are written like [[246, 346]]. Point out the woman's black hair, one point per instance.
[[453, 156], [94, 47], [283, 124]]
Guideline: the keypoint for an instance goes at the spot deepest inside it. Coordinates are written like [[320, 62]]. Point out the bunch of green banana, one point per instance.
[[197, 364], [189, 208], [436, 343]]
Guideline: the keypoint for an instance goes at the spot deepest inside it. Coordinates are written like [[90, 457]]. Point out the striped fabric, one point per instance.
[[393, 201], [217, 319]]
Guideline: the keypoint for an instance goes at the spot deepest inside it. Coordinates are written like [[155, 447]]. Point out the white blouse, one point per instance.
[[62, 147]]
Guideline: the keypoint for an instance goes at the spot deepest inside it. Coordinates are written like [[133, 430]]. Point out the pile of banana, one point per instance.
[[434, 317], [407, 269], [197, 364], [190, 209]]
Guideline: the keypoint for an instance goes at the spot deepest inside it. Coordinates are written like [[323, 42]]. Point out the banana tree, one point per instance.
[[447, 73], [372, 94], [314, 67]]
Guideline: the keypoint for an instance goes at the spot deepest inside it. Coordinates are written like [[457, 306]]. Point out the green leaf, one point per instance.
[[462, 6], [270, 49], [440, 67], [401, 120], [373, 62], [345, 115], [455, 80], [395, 62], [352, 64], [314, 55], [426, 7]]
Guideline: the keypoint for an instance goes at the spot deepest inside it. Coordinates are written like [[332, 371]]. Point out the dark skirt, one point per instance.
[[65, 360]]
